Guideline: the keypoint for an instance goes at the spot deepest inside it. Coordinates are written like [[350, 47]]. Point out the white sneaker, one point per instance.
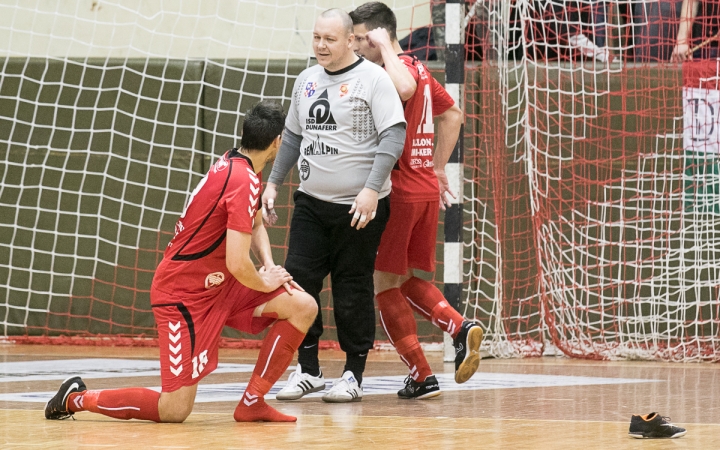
[[300, 384], [345, 390]]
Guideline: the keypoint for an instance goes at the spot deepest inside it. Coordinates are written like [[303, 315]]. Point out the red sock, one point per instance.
[[256, 410], [429, 302], [276, 352], [397, 319], [129, 403]]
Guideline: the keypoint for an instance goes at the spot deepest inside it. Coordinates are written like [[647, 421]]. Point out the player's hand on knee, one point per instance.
[[364, 208], [291, 286], [268, 204], [274, 277]]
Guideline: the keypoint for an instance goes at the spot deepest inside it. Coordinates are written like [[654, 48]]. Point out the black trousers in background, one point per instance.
[[321, 243]]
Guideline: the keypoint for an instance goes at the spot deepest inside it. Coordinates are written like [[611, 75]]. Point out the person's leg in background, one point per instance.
[[411, 231], [308, 262], [353, 262], [598, 22]]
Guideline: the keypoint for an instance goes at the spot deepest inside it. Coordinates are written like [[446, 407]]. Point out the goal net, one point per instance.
[[591, 177], [607, 207]]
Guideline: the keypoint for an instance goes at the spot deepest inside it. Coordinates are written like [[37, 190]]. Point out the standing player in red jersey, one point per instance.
[[207, 280], [408, 242]]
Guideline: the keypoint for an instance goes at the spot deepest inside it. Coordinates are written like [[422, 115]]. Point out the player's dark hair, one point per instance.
[[375, 15], [263, 123]]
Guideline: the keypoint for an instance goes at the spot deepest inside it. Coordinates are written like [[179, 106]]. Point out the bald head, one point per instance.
[[347, 23], [333, 40]]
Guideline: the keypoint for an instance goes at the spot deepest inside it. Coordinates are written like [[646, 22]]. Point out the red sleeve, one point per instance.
[[441, 99], [410, 66], [242, 197]]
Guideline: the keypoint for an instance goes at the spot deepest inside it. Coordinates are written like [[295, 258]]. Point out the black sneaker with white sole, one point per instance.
[[467, 351], [654, 426], [420, 390], [56, 408]]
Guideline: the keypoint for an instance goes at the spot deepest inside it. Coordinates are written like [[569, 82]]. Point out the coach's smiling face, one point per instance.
[[332, 44]]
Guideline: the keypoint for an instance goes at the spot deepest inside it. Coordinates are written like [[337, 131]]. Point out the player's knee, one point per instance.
[[305, 308], [384, 281], [176, 415], [308, 307], [174, 411]]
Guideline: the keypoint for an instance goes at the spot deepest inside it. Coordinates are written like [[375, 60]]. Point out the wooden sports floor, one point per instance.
[[540, 403]]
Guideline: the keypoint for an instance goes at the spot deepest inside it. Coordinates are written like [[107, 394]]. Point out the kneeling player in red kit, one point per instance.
[[207, 280]]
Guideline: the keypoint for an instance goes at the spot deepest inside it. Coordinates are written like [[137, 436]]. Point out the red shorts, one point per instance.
[[189, 329], [409, 238]]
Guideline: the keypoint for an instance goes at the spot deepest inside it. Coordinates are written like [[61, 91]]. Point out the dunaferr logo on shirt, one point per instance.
[[214, 279], [320, 118]]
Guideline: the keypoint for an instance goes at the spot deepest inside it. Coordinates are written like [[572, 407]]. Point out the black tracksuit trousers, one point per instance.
[[322, 242]]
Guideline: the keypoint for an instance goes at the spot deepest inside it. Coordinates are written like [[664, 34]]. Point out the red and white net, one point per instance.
[[592, 177], [607, 189]]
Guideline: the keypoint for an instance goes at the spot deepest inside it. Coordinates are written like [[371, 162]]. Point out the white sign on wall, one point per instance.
[[701, 120]]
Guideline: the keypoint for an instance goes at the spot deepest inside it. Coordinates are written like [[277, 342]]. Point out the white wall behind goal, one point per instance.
[[264, 29]]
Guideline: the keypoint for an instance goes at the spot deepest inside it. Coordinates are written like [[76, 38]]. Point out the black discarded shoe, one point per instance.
[[654, 426], [467, 351], [56, 408], [420, 390]]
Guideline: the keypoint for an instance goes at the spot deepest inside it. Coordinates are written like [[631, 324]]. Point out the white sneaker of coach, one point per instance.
[[300, 384], [344, 390]]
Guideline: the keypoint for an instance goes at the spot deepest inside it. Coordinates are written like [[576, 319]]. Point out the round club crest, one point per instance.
[[304, 169]]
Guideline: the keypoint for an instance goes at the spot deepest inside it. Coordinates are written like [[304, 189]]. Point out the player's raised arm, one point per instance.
[[399, 74]]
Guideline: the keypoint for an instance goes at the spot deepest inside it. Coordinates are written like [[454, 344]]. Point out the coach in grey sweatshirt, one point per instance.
[[345, 131]]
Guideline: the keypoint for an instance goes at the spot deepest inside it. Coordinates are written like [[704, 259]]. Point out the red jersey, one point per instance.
[[226, 199], [413, 179]]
